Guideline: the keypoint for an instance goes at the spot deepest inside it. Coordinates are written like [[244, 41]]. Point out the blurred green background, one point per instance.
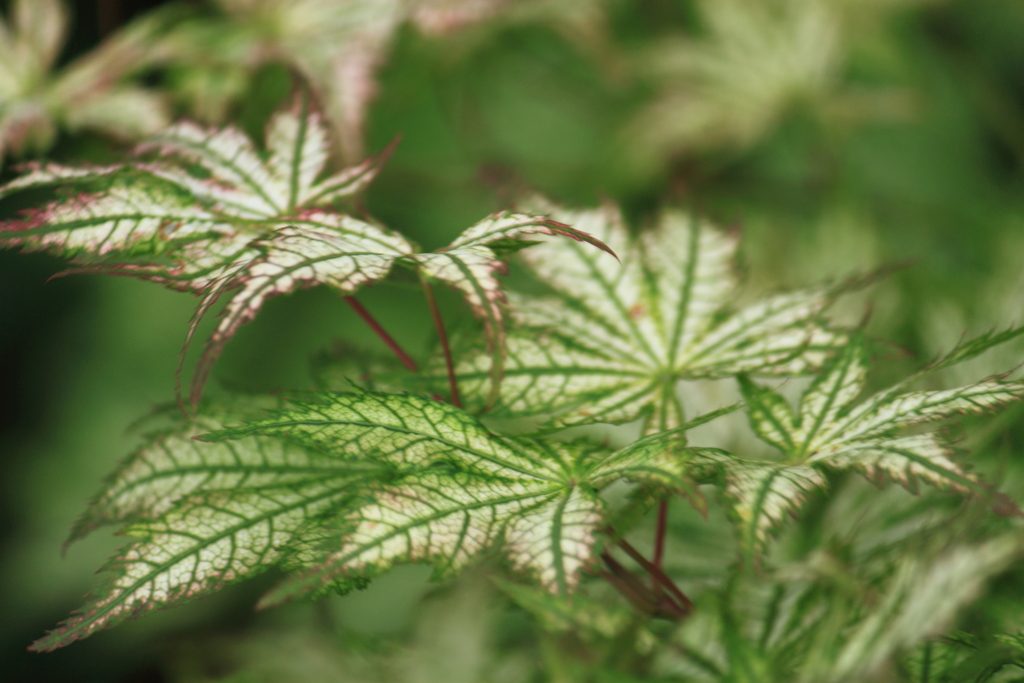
[[838, 136]]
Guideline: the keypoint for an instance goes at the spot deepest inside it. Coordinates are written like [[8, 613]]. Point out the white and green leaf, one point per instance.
[[830, 430], [205, 542], [611, 342], [173, 465], [471, 264], [457, 492]]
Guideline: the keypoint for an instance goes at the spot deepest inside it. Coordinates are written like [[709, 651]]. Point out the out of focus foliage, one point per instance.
[[837, 136]]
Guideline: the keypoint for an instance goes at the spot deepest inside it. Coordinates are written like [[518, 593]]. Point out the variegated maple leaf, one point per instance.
[[344, 488], [831, 430], [212, 215], [832, 619], [458, 492], [754, 63], [205, 515], [611, 343]]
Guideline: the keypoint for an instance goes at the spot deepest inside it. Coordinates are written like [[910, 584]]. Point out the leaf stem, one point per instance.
[[385, 337], [659, 576], [659, 535], [443, 336]]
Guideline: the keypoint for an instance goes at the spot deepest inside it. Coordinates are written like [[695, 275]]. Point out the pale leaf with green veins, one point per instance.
[[205, 515], [172, 465], [458, 492], [830, 430], [212, 214], [612, 342]]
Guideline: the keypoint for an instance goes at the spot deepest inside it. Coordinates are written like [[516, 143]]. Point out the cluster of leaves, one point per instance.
[[339, 486], [207, 213]]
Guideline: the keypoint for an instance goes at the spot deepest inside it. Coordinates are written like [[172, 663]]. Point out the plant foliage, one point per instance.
[[534, 450], [211, 215]]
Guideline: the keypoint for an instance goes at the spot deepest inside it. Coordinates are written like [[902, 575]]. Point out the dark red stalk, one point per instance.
[[659, 576], [659, 534], [385, 337], [443, 336]]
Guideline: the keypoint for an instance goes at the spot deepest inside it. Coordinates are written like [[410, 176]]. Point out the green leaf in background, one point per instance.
[[338, 46], [755, 64]]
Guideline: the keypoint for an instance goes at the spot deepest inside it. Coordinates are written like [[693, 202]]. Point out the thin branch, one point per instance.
[[443, 336], [385, 337]]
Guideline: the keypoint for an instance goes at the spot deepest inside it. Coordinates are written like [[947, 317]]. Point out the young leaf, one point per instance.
[[205, 514], [612, 342], [458, 492]]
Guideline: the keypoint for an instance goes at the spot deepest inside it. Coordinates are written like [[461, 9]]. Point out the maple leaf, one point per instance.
[[612, 343], [205, 515], [458, 491], [380, 478], [90, 93], [832, 431], [211, 215]]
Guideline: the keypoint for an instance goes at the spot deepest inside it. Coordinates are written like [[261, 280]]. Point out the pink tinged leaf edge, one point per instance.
[[237, 277], [558, 228], [81, 624]]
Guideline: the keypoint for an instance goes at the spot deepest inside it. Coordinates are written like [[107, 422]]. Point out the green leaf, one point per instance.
[[590, 619], [612, 342], [458, 491], [921, 601]]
